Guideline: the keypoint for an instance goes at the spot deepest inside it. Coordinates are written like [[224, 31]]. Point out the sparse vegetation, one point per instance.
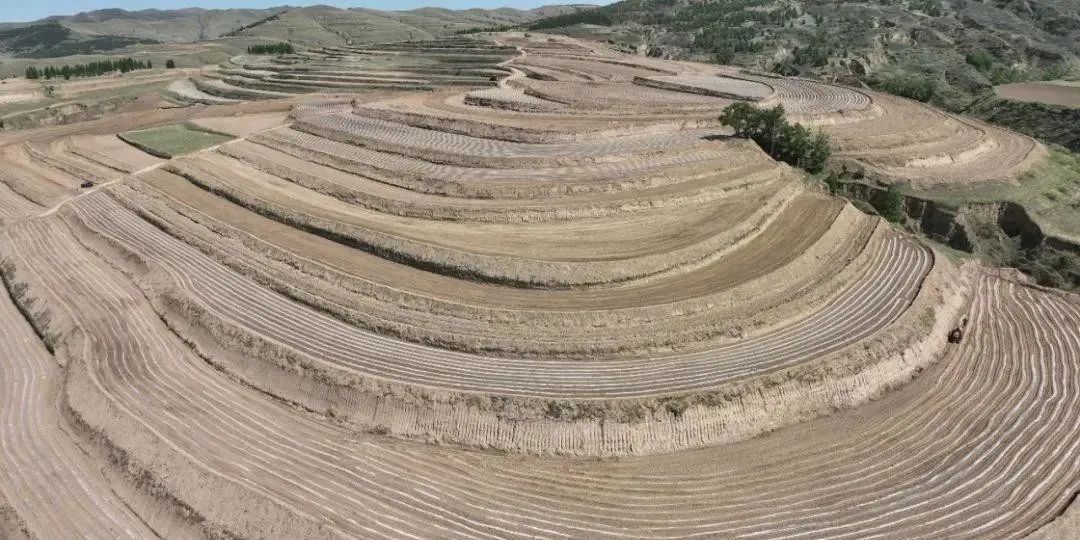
[[240, 29], [917, 87], [946, 54]]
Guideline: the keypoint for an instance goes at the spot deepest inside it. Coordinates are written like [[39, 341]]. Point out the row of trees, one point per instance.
[[93, 69], [272, 48], [793, 144]]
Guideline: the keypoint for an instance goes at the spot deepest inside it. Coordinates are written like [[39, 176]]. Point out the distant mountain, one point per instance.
[[325, 25], [189, 24], [51, 39], [109, 29]]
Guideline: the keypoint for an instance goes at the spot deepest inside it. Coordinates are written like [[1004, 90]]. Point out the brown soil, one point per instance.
[[1054, 94]]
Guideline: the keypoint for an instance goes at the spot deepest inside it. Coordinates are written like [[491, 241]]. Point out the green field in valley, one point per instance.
[[173, 140]]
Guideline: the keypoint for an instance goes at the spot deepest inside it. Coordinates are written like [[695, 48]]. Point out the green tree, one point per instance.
[[892, 206], [770, 123], [170, 64], [817, 153], [739, 116], [792, 144]]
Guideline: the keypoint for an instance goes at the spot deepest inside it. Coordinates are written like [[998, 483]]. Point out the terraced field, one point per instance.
[[566, 306], [420, 65]]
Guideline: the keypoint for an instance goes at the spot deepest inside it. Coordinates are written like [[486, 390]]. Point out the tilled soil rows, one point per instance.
[[550, 297]]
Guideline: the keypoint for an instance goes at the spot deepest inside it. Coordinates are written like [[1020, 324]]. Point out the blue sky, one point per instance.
[[20, 10]]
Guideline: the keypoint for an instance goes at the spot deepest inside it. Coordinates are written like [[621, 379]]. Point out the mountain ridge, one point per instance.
[[109, 29]]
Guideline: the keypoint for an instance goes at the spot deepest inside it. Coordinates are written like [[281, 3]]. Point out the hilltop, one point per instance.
[[112, 29]]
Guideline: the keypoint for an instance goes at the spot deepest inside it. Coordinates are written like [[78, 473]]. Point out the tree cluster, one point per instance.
[[272, 48], [726, 42], [793, 144], [93, 69], [909, 85]]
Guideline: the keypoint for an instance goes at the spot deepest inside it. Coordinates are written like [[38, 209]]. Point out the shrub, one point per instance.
[[980, 60], [793, 144], [271, 48], [170, 64], [832, 181], [892, 206]]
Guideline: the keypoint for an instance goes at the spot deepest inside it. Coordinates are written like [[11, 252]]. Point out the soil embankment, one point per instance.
[[1003, 233], [1052, 123]]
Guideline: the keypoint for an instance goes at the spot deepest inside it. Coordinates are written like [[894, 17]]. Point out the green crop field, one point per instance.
[[173, 140]]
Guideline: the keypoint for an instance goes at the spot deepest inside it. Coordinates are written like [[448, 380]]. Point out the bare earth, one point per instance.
[[1054, 94], [565, 304]]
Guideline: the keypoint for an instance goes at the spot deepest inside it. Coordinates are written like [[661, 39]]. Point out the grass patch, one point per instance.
[[173, 140], [1050, 192]]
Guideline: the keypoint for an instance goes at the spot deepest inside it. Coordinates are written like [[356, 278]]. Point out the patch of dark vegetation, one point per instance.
[[272, 48], [33, 37], [88, 46], [93, 69], [1051, 123], [592, 16], [911, 86], [793, 144], [51, 40], [482, 29]]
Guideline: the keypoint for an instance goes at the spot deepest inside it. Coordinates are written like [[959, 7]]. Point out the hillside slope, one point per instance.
[[943, 52], [52, 39], [324, 25], [190, 24], [110, 29]]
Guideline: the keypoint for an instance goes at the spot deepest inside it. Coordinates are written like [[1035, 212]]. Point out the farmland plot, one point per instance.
[[551, 300]]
